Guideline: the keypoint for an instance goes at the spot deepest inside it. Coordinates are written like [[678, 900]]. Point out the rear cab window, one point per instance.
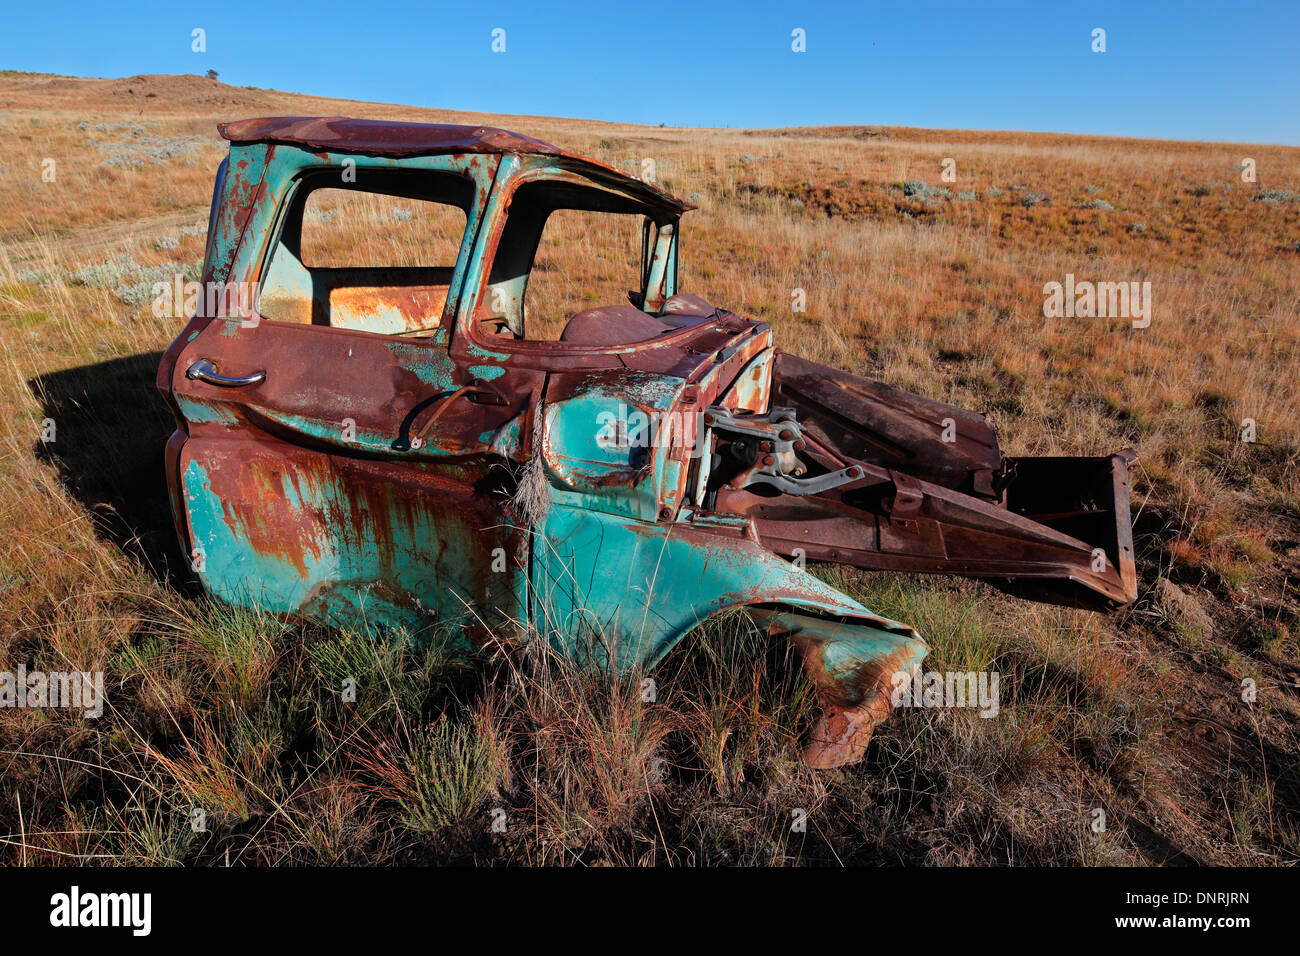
[[373, 256]]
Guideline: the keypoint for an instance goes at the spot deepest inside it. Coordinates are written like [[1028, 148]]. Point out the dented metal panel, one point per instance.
[[390, 447]]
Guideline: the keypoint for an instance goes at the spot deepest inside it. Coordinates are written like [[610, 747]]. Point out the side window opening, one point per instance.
[[565, 250], [377, 256]]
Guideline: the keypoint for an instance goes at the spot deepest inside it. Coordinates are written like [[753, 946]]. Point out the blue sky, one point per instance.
[[1225, 71]]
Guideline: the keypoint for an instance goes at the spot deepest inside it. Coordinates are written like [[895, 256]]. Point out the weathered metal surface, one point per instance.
[[388, 138], [381, 137], [385, 444], [853, 667]]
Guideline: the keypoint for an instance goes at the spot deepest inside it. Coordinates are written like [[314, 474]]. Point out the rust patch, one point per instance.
[[370, 433]]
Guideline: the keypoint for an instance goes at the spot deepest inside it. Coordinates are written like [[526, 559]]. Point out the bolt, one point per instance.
[[786, 434], [799, 445], [769, 460], [855, 472]]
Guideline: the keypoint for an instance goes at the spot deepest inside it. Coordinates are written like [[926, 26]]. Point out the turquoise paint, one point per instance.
[[492, 210], [588, 472], [844, 648], [474, 350], [604, 579], [507, 440], [229, 568], [330, 432], [238, 253], [432, 366], [586, 464], [616, 593], [487, 373], [336, 572], [246, 166], [855, 656], [197, 412]]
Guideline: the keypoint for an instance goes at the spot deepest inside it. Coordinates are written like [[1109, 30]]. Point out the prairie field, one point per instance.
[[1165, 733]]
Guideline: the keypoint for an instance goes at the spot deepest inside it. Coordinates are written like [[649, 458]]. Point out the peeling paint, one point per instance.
[[376, 451]]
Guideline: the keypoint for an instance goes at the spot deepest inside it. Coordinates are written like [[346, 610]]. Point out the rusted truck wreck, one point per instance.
[[392, 442]]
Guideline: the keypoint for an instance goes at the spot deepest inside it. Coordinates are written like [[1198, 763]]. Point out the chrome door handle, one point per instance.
[[205, 371]]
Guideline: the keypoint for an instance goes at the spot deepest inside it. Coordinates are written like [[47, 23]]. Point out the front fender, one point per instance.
[[620, 593], [615, 593]]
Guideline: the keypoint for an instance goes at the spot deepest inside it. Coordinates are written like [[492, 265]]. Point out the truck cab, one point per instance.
[[378, 416]]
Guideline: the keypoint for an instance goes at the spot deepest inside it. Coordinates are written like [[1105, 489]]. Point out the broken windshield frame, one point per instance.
[[505, 261]]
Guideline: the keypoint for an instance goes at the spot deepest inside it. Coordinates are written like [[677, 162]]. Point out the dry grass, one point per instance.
[[246, 718]]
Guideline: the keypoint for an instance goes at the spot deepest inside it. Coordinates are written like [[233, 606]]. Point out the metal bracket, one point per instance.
[[907, 496], [779, 437]]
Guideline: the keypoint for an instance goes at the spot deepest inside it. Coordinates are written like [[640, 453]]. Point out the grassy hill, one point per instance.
[[930, 285]]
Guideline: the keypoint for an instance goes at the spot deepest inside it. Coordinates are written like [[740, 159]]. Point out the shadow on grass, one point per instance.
[[111, 428]]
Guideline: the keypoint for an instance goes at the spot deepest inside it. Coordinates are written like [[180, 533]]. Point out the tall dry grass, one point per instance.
[[240, 722]]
